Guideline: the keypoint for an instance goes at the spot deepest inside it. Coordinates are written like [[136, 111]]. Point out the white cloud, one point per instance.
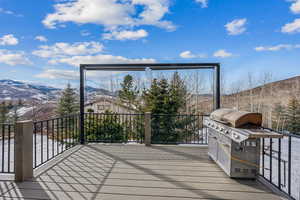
[[62, 49], [125, 35], [236, 26], [82, 52], [72, 74], [111, 13], [222, 54], [203, 3], [277, 47], [98, 59], [13, 57], [9, 40], [293, 27], [85, 33], [59, 74], [189, 54], [41, 38], [295, 7], [9, 12]]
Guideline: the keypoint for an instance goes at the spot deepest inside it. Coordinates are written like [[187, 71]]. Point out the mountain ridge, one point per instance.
[[14, 90]]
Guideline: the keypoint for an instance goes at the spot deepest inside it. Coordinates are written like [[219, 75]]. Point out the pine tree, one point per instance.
[[164, 100], [128, 93], [178, 92], [3, 112], [15, 116], [157, 97], [293, 116], [68, 102], [20, 102], [278, 116]]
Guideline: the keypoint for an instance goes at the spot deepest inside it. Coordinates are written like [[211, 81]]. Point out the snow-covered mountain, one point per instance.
[[14, 90]]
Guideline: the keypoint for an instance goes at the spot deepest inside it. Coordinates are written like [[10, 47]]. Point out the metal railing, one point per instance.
[[178, 129], [130, 128], [280, 163], [7, 148], [114, 127], [54, 136]]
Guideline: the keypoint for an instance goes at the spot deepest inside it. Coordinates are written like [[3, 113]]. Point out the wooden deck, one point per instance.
[[134, 172]]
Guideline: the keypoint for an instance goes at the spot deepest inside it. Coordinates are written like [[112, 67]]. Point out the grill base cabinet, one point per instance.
[[234, 141], [238, 160]]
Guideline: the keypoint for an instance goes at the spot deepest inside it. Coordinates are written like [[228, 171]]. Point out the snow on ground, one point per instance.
[[21, 111], [39, 96], [50, 149], [295, 171]]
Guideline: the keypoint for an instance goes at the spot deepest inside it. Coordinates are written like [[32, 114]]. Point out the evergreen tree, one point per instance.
[[278, 117], [3, 112], [178, 92], [20, 102], [10, 105], [68, 102], [157, 97], [293, 116], [15, 116], [129, 92], [165, 100]]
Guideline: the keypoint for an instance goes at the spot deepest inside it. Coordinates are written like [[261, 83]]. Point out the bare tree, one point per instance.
[[235, 89], [265, 78], [250, 87]]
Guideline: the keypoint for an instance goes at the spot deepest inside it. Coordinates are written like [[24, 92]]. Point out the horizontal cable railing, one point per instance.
[[7, 148], [54, 136], [178, 129], [280, 163], [114, 127]]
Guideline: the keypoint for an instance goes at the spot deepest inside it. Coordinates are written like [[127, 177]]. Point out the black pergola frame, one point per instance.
[[142, 67]]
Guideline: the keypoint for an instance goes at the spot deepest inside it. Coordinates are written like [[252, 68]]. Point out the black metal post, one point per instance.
[[271, 159], [279, 163], [81, 127], [217, 89], [289, 164]]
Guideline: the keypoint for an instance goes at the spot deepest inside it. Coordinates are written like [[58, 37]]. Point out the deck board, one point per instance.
[[111, 172]]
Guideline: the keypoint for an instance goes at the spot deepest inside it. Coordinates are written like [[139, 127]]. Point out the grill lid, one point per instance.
[[235, 118]]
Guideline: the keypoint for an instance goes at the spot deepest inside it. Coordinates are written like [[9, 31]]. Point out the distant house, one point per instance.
[[110, 104]]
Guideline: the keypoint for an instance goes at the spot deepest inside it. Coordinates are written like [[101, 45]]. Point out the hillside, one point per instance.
[[267, 95], [14, 90], [267, 99]]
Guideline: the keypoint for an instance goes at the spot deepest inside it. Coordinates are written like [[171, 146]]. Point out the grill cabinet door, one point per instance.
[[212, 144]]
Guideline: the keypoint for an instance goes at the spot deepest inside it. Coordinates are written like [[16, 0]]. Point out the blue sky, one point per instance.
[[44, 41]]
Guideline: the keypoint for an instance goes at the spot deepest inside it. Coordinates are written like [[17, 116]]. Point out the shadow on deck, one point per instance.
[[99, 171]]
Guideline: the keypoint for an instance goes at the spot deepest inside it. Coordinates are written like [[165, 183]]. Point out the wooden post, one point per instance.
[[148, 128], [23, 163]]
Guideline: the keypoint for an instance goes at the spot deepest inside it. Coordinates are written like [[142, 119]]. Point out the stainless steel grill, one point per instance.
[[234, 141]]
